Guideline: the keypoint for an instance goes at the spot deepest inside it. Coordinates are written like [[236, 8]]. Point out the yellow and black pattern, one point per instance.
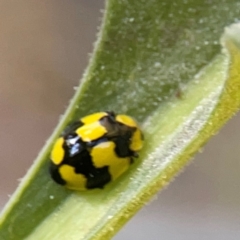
[[95, 150]]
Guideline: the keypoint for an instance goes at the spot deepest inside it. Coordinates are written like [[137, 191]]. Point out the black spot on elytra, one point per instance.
[[122, 146], [55, 174], [122, 143], [82, 162], [98, 177]]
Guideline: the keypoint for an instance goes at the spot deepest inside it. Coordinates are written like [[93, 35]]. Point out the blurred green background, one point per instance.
[[44, 49]]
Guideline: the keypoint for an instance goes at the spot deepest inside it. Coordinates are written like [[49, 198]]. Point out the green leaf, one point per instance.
[[160, 62]]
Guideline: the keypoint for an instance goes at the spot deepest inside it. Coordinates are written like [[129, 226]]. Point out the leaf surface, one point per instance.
[[160, 62]]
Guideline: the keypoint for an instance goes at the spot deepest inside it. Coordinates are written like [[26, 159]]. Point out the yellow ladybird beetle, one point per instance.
[[95, 150]]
